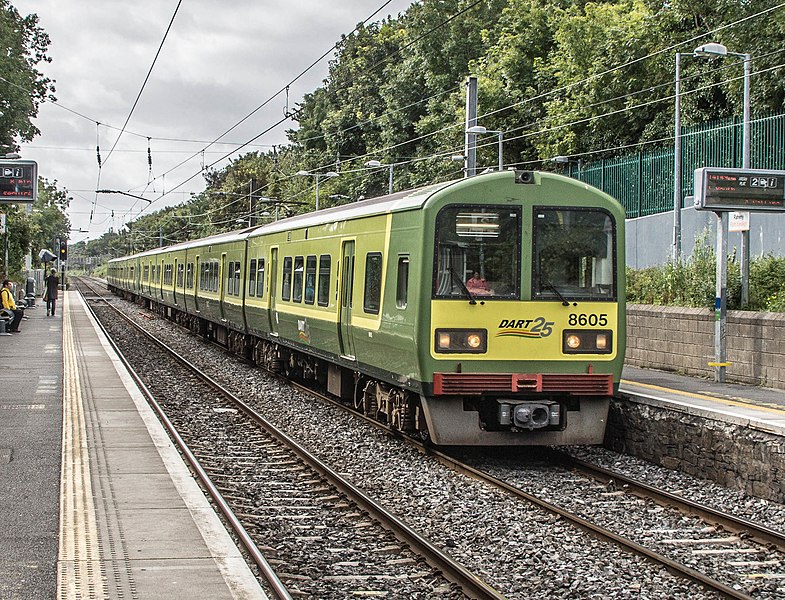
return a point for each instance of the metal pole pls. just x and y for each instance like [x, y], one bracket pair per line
[745, 163]
[677, 167]
[470, 139]
[721, 298]
[317, 191]
[390, 187]
[501, 161]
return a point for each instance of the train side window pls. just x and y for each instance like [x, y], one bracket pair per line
[402, 289]
[180, 273]
[297, 280]
[260, 278]
[286, 281]
[230, 279]
[189, 275]
[324, 280]
[373, 283]
[310, 279]
[252, 278]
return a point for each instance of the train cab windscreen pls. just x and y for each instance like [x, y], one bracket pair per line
[478, 251]
[573, 254]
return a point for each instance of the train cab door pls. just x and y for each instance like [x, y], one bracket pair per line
[272, 269]
[346, 287]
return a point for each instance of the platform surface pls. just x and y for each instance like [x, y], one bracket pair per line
[96, 500]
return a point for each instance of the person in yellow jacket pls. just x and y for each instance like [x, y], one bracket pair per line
[7, 300]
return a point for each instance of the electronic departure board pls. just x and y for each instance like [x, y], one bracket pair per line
[18, 181]
[721, 189]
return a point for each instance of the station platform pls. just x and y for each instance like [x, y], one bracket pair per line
[754, 407]
[96, 501]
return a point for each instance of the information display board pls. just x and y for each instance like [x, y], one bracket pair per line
[18, 181]
[724, 189]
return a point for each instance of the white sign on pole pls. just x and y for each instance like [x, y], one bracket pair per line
[739, 221]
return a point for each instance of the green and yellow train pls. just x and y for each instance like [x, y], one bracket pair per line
[483, 311]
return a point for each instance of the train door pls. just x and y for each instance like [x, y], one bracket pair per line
[160, 276]
[177, 280]
[223, 276]
[197, 282]
[272, 269]
[346, 283]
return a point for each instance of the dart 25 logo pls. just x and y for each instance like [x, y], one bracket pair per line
[525, 328]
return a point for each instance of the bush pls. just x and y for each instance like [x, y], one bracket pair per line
[693, 283]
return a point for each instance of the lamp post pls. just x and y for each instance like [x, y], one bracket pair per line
[711, 50]
[480, 130]
[318, 176]
[375, 164]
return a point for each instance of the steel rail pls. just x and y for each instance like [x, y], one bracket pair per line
[729, 522]
[471, 585]
[596, 530]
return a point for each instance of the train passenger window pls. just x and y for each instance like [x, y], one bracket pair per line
[180, 274]
[146, 273]
[310, 279]
[373, 283]
[481, 239]
[260, 278]
[286, 281]
[574, 255]
[297, 280]
[252, 278]
[402, 289]
[189, 276]
[324, 280]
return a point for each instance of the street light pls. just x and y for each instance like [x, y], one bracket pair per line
[375, 164]
[480, 130]
[710, 50]
[318, 176]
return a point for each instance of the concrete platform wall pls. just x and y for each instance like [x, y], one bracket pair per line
[735, 455]
[682, 340]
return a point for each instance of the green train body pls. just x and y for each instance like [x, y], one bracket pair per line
[378, 303]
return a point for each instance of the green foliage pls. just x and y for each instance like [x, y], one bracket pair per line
[693, 283]
[22, 87]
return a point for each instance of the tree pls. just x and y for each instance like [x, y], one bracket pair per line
[22, 87]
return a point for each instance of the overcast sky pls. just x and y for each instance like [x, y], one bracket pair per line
[220, 61]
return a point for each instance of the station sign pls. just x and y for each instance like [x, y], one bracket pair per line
[18, 181]
[721, 189]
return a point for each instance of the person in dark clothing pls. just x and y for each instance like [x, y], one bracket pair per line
[7, 302]
[51, 285]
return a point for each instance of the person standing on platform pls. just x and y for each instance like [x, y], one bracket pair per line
[51, 287]
[7, 301]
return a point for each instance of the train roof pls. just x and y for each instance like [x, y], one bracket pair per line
[404, 200]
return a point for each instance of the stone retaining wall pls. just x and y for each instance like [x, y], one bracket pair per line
[682, 340]
[736, 455]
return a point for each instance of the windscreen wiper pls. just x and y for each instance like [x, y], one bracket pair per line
[552, 287]
[463, 287]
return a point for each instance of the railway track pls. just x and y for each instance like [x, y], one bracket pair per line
[726, 556]
[273, 491]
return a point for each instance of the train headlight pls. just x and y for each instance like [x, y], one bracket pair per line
[587, 341]
[474, 341]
